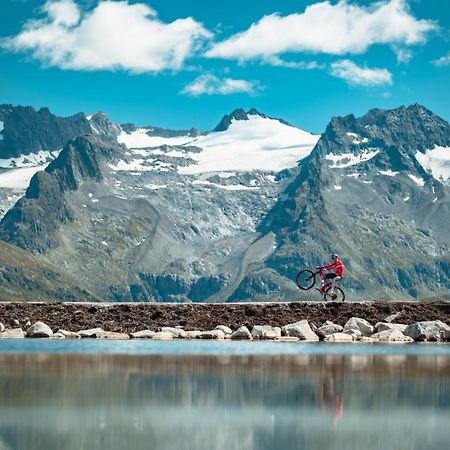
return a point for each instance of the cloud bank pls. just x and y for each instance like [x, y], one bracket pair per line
[114, 35]
[337, 29]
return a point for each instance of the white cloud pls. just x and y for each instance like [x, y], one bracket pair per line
[442, 61]
[337, 29]
[278, 62]
[209, 84]
[360, 76]
[114, 35]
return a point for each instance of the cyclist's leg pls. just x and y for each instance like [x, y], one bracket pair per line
[334, 281]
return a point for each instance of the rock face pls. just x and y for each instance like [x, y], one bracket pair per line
[367, 192]
[427, 331]
[33, 221]
[300, 329]
[39, 330]
[359, 325]
[26, 130]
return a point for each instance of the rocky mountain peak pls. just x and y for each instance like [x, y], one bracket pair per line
[25, 130]
[102, 125]
[30, 224]
[241, 114]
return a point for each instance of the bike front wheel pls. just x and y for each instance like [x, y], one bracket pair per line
[305, 279]
[338, 296]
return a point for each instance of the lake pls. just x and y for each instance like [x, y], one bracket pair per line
[92, 395]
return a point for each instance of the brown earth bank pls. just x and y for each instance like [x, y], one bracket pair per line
[133, 317]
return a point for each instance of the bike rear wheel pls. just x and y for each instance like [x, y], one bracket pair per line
[339, 295]
[305, 279]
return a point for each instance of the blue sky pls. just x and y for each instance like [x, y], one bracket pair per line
[179, 64]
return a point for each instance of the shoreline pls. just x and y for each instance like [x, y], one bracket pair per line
[132, 317]
[278, 321]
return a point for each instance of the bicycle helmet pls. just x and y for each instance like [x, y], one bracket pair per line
[334, 255]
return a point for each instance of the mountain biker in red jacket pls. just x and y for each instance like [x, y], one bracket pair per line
[336, 273]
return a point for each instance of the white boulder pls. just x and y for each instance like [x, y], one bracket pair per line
[225, 329]
[383, 326]
[39, 330]
[143, 334]
[339, 337]
[300, 329]
[364, 327]
[393, 335]
[242, 333]
[15, 333]
[431, 330]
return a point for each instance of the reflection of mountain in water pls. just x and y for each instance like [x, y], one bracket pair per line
[120, 402]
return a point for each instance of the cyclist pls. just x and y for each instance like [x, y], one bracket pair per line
[336, 273]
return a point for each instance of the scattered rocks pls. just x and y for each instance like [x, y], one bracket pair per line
[339, 337]
[242, 333]
[300, 329]
[15, 333]
[143, 334]
[433, 330]
[361, 325]
[328, 328]
[91, 333]
[265, 332]
[16, 322]
[163, 336]
[176, 332]
[225, 329]
[69, 334]
[2, 327]
[39, 330]
[57, 336]
[213, 334]
[193, 334]
[392, 335]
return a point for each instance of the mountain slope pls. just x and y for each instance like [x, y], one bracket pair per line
[24, 277]
[363, 192]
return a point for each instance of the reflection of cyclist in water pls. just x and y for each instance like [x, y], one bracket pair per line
[329, 399]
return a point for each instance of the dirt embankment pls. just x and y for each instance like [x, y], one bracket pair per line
[134, 317]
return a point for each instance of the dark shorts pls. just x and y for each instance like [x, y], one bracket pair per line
[330, 276]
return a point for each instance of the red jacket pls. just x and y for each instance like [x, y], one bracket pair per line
[337, 266]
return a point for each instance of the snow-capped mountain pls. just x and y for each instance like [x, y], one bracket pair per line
[163, 215]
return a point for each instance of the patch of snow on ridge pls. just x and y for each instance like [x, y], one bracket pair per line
[436, 162]
[255, 144]
[419, 181]
[350, 159]
[140, 139]
[2, 126]
[31, 160]
[388, 173]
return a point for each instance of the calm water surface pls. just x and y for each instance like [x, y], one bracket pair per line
[57, 395]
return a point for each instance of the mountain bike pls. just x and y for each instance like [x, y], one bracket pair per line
[306, 279]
